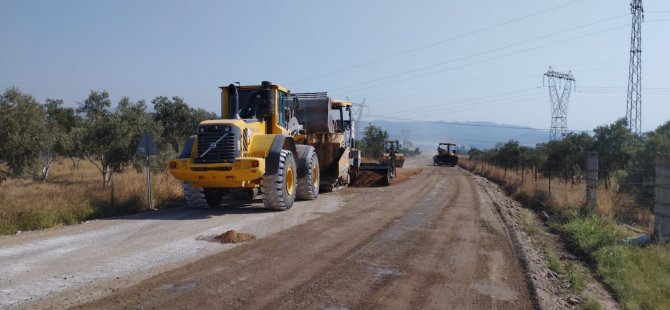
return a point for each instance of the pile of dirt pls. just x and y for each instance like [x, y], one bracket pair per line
[230, 236]
[368, 178]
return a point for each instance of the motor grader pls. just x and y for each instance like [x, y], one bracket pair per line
[257, 146]
[446, 155]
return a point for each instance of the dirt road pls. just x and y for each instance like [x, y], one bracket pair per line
[433, 241]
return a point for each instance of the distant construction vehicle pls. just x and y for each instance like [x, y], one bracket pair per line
[446, 155]
[382, 173]
[270, 142]
[393, 147]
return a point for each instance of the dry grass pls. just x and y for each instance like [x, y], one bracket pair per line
[639, 276]
[565, 197]
[71, 196]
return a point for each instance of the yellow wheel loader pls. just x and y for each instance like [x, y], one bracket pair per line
[329, 129]
[254, 148]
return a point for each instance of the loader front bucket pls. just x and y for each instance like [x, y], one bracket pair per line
[371, 175]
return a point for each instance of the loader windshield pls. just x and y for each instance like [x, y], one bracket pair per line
[249, 100]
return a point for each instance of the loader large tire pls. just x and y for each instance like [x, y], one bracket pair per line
[194, 196]
[308, 185]
[214, 196]
[278, 190]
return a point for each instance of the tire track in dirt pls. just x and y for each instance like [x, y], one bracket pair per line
[386, 256]
[276, 265]
[348, 268]
[434, 241]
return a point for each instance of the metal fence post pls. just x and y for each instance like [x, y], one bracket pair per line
[549, 184]
[662, 202]
[592, 180]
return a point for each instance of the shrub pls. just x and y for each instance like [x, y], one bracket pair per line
[639, 276]
[589, 233]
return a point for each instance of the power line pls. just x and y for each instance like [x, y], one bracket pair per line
[431, 66]
[433, 44]
[489, 59]
[446, 105]
[437, 87]
[479, 106]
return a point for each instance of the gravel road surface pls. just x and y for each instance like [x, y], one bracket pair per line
[432, 241]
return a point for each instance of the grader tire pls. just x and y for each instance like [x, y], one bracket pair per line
[308, 185]
[278, 190]
[194, 196]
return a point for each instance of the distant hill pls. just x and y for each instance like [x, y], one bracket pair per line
[481, 135]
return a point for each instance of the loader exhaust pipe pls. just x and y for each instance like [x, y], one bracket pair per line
[233, 102]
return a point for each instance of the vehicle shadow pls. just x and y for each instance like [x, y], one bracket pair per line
[184, 213]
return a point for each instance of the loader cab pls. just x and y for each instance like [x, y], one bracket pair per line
[392, 146]
[341, 110]
[268, 102]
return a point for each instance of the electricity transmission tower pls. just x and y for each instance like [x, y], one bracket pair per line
[634, 102]
[357, 113]
[560, 85]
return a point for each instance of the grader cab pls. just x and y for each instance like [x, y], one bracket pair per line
[446, 155]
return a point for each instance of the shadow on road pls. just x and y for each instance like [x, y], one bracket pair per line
[189, 213]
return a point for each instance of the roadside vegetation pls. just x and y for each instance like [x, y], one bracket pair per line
[62, 165]
[549, 179]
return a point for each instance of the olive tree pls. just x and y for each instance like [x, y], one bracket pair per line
[373, 141]
[174, 116]
[110, 137]
[61, 123]
[22, 131]
[177, 119]
[613, 144]
[639, 178]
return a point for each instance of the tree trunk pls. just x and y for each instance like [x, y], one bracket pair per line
[47, 160]
[106, 176]
[75, 162]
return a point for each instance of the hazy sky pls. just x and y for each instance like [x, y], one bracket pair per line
[435, 60]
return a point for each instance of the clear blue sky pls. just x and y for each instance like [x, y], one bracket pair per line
[415, 55]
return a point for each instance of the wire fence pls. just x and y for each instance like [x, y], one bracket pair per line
[564, 187]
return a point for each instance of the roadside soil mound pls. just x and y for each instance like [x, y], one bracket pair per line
[367, 178]
[230, 236]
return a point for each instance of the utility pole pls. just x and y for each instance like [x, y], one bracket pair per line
[634, 102]
[560, 85]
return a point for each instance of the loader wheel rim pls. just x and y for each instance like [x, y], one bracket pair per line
[315, 176]
[290, 181]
